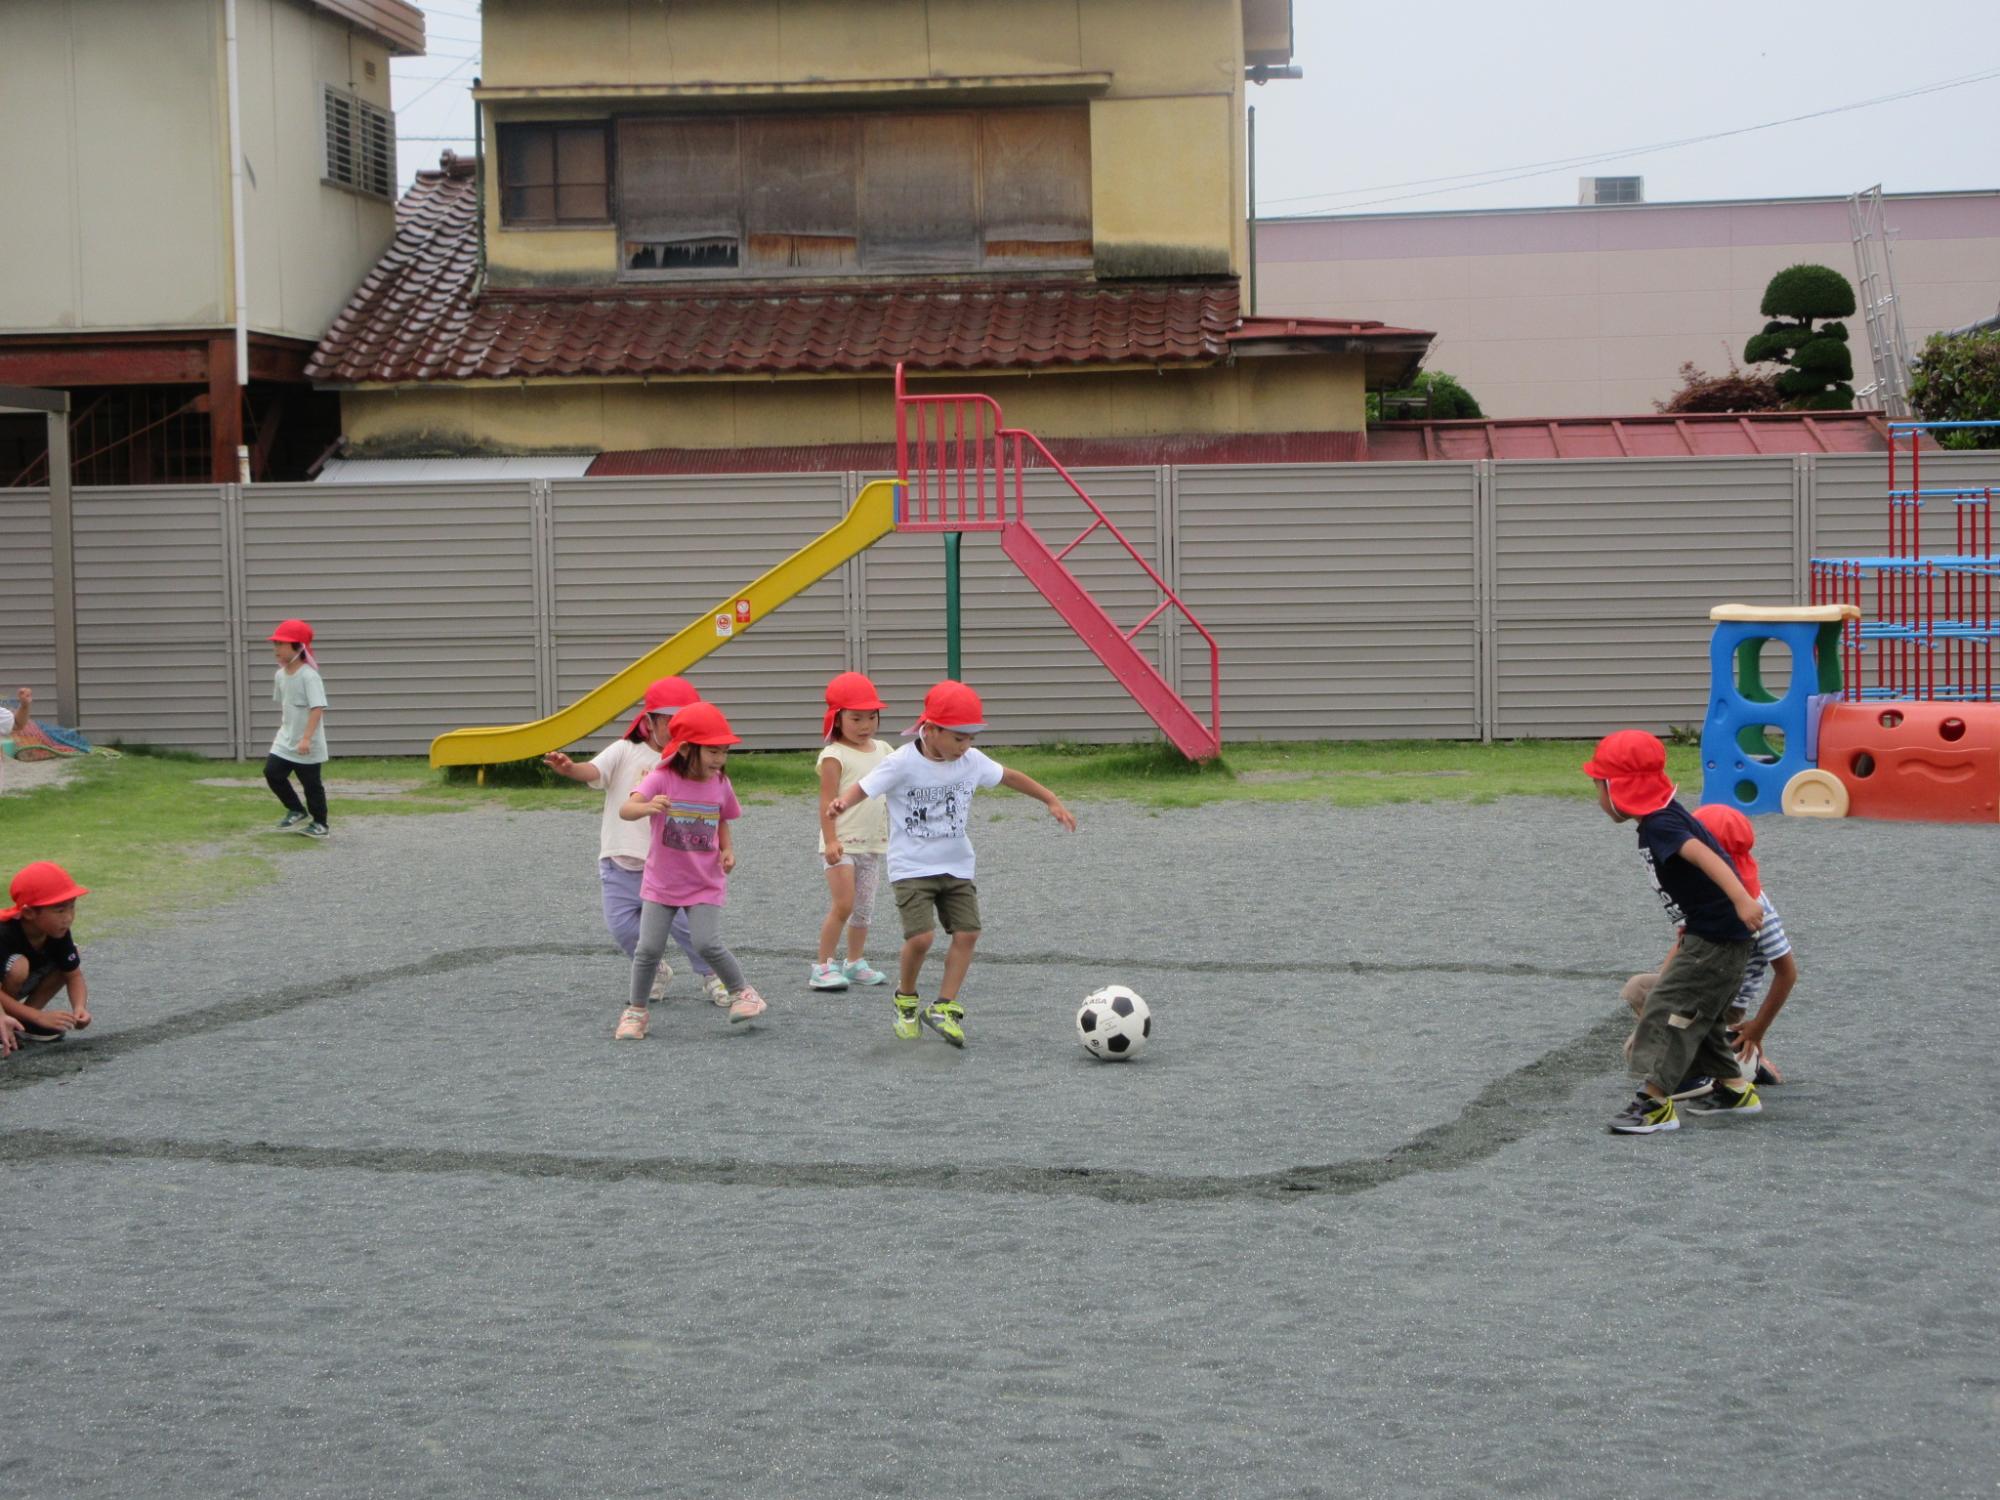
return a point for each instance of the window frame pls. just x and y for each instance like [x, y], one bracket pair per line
[372, 134]
[507, 132]
[980, 264]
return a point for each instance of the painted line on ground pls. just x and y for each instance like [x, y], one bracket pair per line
[34, 1064]
[1505, 1111]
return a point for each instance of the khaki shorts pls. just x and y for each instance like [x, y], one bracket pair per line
[955, 901]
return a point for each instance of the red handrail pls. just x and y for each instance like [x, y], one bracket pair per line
[927, 495]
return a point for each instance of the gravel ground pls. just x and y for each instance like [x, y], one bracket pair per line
[348, 1193]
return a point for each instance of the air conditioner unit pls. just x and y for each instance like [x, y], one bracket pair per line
[1610, 190]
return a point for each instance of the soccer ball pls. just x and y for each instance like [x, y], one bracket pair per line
[1114, 1023]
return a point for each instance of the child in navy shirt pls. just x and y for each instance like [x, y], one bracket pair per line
[1684, 1023]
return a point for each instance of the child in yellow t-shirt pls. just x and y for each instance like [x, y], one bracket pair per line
[853, 847]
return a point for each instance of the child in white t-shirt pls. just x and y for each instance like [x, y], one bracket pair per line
[854, 848]
[622, 846]
[928, 789]
[300, 746]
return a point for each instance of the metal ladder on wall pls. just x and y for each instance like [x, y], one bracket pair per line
[1888, 344]
[960, 469]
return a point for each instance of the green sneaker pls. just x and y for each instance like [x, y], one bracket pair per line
[943, 1018]
[907, 1007]
[1725, 1100]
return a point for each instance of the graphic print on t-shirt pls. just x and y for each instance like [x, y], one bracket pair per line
[688, 824]
[936, 812]
[1653, 874]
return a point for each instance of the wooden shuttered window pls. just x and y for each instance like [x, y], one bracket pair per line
[555, 174]
[1034, 180]
[802, 194]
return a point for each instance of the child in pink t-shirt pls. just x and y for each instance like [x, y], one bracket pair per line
[691, 804]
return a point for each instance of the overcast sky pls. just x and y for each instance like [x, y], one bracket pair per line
[1481, 90]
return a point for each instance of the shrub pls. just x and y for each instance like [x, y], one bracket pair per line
[1957, 379]
[1444, 398]
[1808, 292]
[1817, 364]
[1736, 391]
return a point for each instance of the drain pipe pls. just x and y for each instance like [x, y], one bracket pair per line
[240, 251]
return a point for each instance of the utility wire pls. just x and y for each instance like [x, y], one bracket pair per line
[1493, 176]
[441, 78]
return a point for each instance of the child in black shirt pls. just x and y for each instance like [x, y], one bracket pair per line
[1684, 1022]
[37, 956]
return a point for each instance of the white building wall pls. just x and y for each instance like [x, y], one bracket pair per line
[310, 244]
[116, 173]
[117, 202]
[1591, 311]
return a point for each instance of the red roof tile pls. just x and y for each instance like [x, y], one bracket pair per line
[1071, 453]
[1646, 436]
[418, 317]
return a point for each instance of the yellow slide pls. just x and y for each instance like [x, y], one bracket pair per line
[868, 520]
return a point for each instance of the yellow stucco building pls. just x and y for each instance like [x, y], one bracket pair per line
[720, 224]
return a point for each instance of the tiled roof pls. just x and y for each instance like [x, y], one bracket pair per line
[417, 317]
[1646, 436]
[1071, 453]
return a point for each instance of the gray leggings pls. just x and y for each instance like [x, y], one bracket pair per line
[704, 935]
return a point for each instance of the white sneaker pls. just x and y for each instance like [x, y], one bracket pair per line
[717, 991]
[660, 982]
[827, 977]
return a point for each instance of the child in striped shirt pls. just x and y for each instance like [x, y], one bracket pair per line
[1748, 1020]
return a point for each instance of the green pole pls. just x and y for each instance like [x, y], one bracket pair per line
[951, 541]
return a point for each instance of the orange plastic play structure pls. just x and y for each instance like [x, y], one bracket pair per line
[1915, 760]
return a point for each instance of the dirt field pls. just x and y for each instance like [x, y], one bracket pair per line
[349, 1193]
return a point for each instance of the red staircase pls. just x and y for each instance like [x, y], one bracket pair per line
[961, 469]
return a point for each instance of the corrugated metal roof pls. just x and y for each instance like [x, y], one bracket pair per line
[454, 470]
[1646, 436]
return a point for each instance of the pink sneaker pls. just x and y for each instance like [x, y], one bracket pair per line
[747, 1006]
[632, 1025]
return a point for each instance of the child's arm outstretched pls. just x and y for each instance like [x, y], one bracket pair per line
[829, 791]
[847, 801]
[569, 770]
[636, 807]
[1750, 1035]
[1027, 786]
[1749, 910]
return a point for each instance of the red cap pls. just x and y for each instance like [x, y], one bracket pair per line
[952, 705]
[295, 633]
[1634, 763]
[698, 724]
[43, 883]
[850, 690]
[662, 693]
[1736, 835]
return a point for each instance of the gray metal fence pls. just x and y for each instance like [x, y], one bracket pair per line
[1418, 600]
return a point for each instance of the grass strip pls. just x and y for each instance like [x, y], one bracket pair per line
[156, 834]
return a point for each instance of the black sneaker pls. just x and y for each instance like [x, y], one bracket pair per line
[1645, 1115]
[1725, 1100]
[289, 823]
[316, 830]
[30, 1032]
[1693, 1087]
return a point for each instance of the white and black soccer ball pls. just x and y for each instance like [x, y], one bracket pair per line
[1114, 1023]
